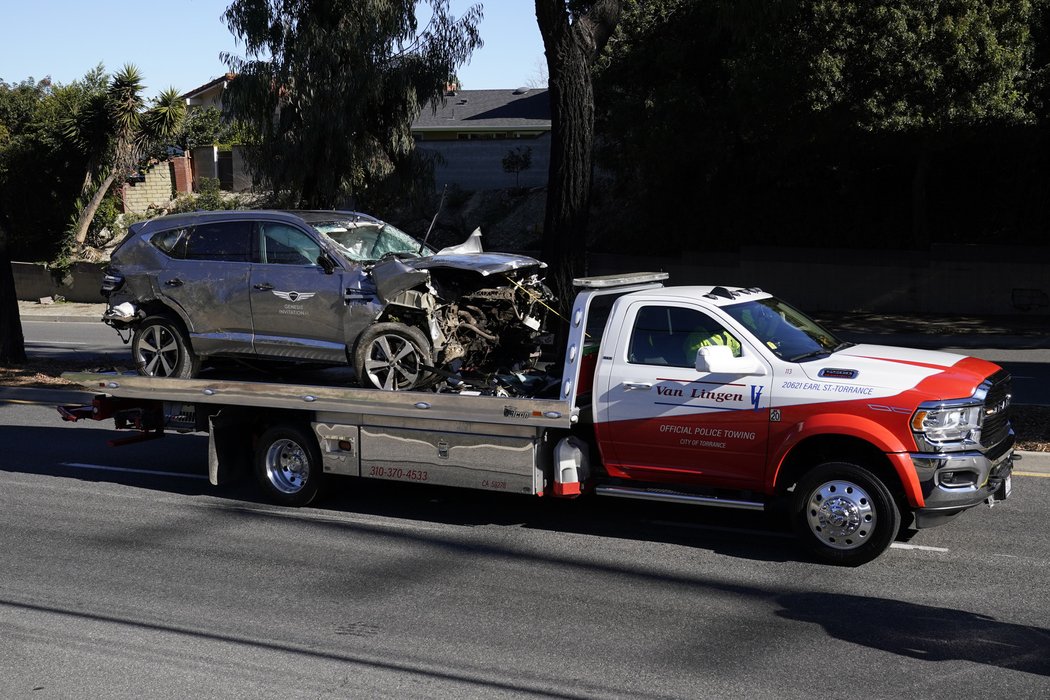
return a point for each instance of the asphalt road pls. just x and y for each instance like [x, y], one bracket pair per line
[125, 575]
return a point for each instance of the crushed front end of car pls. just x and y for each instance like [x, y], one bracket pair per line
[484, 314]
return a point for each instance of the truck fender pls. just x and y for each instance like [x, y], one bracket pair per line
[869, 431]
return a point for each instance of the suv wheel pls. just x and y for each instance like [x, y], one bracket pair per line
[393, 357]
[160, 349]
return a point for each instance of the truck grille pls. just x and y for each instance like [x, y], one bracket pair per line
[996, 426]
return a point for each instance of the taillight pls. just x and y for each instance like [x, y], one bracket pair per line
[112, 280]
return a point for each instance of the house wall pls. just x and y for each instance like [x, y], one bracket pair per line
[478, 164]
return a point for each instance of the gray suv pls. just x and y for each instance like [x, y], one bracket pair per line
[321, 286]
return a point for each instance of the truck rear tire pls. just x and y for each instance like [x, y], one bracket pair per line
[288, 465]
[844, 514]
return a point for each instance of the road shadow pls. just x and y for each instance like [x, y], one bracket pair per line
[922, 631]
[177, 464]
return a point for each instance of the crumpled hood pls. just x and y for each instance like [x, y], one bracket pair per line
[891, 370]
[484, 264]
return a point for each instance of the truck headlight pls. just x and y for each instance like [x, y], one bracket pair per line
[945, 423]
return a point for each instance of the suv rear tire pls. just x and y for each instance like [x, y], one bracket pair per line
[159, 348]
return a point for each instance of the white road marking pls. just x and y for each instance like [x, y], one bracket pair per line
[902, 545]
[101, 467]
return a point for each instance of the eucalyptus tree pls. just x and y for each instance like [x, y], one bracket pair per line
[328, 89]
[574, 34]
[115, 127]
[922, 68]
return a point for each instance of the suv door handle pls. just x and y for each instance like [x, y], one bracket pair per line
[263, 287]
[175, 282]
[631, 386]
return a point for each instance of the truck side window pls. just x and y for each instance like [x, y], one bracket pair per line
[670, 336]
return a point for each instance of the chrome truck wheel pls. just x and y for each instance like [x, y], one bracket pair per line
[844, 514]
[288, 465]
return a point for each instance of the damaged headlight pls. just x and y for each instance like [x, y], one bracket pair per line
[940, 425]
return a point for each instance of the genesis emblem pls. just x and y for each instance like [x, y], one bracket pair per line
[294, 296]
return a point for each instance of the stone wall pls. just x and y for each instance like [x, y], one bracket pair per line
[157, 189]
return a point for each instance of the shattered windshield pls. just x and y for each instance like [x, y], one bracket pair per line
[366, 241]
[790, 334]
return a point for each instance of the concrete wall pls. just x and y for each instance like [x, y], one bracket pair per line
[985, 280]
[80, 284]
[206, 164]
[478, 165]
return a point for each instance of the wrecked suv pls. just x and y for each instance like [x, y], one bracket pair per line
[321, 286]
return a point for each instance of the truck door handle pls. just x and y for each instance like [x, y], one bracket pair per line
[266, 287]
[631, 386]
[175, 282]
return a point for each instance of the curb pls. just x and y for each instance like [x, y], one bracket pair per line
[1038, 462]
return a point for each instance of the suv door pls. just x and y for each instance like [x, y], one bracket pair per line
[207, 280]
[659, 419]
[297, 309]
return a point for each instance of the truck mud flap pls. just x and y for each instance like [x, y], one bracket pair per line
[229, 446]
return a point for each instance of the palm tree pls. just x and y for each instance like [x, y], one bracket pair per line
[115, 128]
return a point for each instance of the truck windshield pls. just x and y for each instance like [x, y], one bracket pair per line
[787, 332]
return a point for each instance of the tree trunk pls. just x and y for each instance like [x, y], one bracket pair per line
[569, 186]
[12, 342]
[88, 214]
[571, 43]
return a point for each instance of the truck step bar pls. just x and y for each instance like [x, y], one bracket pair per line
[677, 497]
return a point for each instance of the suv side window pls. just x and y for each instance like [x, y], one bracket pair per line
[670, 336]
[281, 244]
[222, 241]
[172, 243]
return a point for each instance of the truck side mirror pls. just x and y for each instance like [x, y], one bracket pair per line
[718, 359]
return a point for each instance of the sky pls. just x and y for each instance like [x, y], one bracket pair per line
[176, 43]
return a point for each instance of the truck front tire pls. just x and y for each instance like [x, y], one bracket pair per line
[844, 514]
[288, 465]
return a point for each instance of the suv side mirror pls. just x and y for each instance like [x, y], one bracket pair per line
[326, 263]
[718, 359]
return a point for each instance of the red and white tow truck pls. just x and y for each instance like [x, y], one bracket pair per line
[716, 396]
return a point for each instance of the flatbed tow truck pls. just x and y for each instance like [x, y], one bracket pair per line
[713, 396]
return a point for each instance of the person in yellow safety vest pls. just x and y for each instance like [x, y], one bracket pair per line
[703, 337]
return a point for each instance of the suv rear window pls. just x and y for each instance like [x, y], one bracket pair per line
[227, 241]
[172, 243]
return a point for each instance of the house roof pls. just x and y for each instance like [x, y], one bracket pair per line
[465, 110]
[208, 86]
